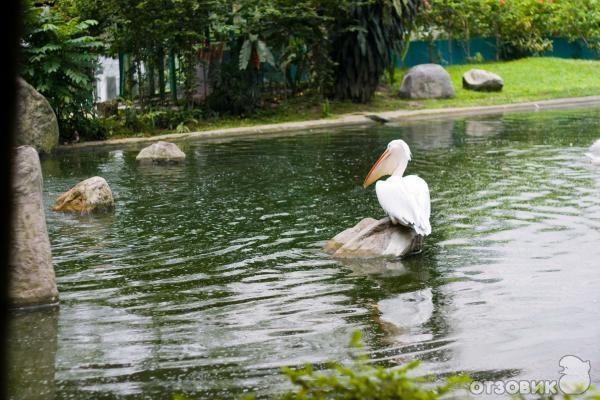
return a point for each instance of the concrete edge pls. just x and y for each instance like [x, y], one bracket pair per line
[347, 120]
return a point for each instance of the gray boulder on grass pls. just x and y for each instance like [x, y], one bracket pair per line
[482, 80]
[427, 81]
[32, 279]
[372, 238]
[37, 125]
[90, 196]
[161, 153]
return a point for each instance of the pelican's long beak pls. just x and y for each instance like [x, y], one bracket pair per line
[379, 169]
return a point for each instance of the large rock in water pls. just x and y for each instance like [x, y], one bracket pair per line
[37, 125]
[90, 196]
[427, 81]
[482, 80]
[32, 279]
[161, 153]
[372, 238]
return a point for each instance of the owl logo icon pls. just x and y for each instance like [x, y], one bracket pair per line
[575, 375]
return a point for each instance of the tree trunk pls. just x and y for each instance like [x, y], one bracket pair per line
[497, 43]
[151, 86]
[172, 76]
[160, 61]
[468, 42]
[140, 84]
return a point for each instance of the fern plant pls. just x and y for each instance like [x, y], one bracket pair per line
[59, 60]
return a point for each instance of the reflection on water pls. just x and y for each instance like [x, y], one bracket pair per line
[210, 277]
[31, 355]
[406, 311]
[430, 134]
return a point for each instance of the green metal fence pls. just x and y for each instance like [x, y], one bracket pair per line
[439, 52]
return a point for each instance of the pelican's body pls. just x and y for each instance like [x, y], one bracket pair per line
[405, 199]
[594, 153]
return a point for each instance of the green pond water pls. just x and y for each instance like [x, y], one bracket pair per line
[210, 276]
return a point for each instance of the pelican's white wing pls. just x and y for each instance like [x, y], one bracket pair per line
[594, 153]
[406, 201]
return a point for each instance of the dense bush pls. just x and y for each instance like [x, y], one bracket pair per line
[519, 27]
[261, 52]
[332, 47]
[580, 21]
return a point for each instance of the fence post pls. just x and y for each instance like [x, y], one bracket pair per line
[172, 77]
[121, 74]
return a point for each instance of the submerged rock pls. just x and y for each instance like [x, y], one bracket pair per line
[90, 196]
[482, 80]
[37, 125]
[373, 238]
[161, 153]
[427, 81]
[32, 280]
[594, 152]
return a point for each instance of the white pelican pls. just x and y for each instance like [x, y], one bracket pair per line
[404, 199]
[594, 153]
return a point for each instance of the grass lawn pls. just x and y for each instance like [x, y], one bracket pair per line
[527, 79]
[524, 80]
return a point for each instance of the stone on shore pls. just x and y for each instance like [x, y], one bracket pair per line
[372, 238]
[161, 153]
[91, 196]
[32, 280]
[427, 81]
[482, 80]
[37, 125]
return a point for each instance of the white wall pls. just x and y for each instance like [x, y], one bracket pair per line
[107, 81]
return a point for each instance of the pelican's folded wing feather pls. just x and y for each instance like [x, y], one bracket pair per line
[406, 201]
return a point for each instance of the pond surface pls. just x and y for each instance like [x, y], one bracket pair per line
[210, 277]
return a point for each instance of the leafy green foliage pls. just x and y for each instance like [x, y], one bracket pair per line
[326, 46]
[524, 27]
[520, 27]
[272, 52]
[365, 40]
[362, 380]
[579, 21]
[235, 91]
[59, 60]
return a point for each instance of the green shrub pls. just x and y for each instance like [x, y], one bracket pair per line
[362, 380]
[520, 27]
[580, 23]
[234, 91]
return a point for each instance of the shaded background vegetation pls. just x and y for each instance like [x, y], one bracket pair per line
[259, 54]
